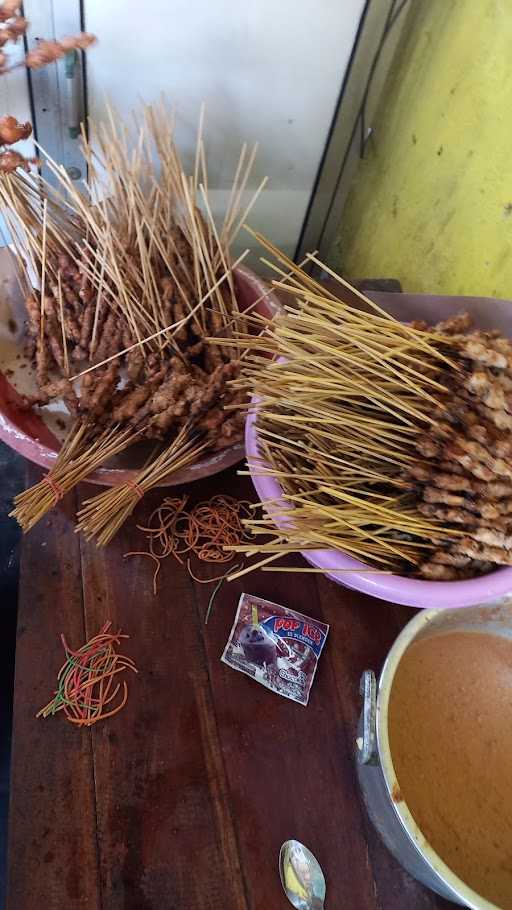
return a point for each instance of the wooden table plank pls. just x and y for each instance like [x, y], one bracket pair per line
[166, 834]
[203, 775]
[53, 860]
[291, 769]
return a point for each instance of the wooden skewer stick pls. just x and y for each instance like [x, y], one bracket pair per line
[243, 152]
[99, 298]
[198, 147]
[173, 326]
[63, 325]
[233, 214]
[236, 230]
[43, 272]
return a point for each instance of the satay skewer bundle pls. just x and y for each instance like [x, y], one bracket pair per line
[390, 441]
[134, 276]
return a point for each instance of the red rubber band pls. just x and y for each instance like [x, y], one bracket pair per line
[55, 487]
[138, 490]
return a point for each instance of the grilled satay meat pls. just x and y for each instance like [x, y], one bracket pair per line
[496, 555]
[454, 325]
[463, 477]
[59, 388]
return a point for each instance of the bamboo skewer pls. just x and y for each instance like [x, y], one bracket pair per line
[62, 325]
[103, 515]
[43, 269]
[175, 326]
[75, 461]
[342, 395]
[105, 261]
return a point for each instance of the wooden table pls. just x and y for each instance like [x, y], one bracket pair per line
[182, 801]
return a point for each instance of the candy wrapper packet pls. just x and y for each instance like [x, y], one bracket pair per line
[278, 647]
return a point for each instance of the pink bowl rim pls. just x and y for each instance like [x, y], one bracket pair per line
[41, 454]
[410, 592]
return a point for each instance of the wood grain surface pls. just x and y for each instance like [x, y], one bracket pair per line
[182, 801]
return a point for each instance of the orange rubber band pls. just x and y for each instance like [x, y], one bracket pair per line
[55, 487]
[137, 489]
[206, 531]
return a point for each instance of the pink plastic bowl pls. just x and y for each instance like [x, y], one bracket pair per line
[488, 313]
[26, 432]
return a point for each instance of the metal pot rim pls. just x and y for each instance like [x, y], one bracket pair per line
[466, 894]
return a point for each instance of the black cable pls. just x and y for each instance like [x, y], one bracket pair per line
[391, 18]
[325, 152]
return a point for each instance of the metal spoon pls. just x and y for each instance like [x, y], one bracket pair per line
[301, 876]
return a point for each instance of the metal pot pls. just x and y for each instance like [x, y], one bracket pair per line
[377, 779]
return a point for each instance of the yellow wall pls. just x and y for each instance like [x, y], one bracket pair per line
[432, 202]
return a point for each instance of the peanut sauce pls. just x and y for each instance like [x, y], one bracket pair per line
[450, 733]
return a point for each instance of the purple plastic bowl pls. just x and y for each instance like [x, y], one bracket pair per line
[487, 313]
[410, 592]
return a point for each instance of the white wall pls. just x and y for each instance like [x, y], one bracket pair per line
[270, 71]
